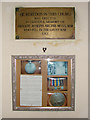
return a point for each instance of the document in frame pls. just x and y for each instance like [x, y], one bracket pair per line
[30, 90]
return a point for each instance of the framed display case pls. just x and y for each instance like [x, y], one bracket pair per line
[43, 82]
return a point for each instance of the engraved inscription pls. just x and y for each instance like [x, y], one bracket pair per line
[36, 23]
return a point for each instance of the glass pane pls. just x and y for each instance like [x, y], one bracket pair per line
[57, 68]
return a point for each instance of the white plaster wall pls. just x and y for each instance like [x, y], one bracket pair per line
[0, 60]
[78, 47]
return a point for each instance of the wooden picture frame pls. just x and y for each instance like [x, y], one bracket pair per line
[18, 65]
